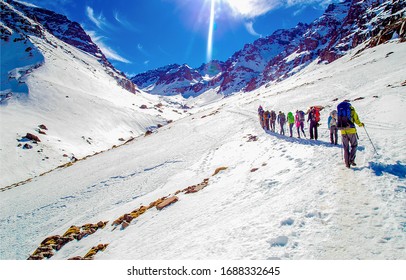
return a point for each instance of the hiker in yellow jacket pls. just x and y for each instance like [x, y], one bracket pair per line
[347, 117]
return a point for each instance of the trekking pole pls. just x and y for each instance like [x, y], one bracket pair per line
[370, 140]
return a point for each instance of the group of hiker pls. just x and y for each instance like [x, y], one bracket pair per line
[343, 119]
[269, 118]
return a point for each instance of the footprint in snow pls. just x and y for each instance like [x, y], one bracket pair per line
[284, 171]
[287, 222]
[269, 183]
[279, 241]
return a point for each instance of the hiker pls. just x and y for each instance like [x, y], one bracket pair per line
[314, 118]
[266, 119]
[332, 126]
[281, 122]
[291, 121]
[272, 120]
[346, 120]
[300, 119]
[261, 115]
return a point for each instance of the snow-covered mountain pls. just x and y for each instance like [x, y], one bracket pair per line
[341, 28]
[233, 191]
[273, 197]
[64, 92]
[29, 20]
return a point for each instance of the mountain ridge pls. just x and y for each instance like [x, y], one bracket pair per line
[267, 60]
[31, 20]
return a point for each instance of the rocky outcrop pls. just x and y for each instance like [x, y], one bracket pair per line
[342, 27]
[34, 21]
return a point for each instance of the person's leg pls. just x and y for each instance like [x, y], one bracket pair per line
[335, 135]
[302, 127]
[354, 144]
[346, 147]
[315, 131]
[311, 130]
[332, 135]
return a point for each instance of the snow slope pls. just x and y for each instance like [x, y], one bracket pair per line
[71, 93]
[279, 198]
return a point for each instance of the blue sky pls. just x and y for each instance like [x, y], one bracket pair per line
[140, 35]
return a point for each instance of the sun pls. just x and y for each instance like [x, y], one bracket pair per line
[209, 51]
[237, 6]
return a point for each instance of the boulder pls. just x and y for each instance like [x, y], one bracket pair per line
[167, 202]
[32, 137]
[27, 146]
[42, 126]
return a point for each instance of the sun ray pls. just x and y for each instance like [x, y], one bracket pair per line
[210, 34]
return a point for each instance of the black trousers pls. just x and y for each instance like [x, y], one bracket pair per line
[313, 130]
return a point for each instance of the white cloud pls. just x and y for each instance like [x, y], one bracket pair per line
[99, 20]
[124, 22]
[252, 8]
[250, 28]
[108, 51]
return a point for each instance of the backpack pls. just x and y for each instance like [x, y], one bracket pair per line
[273, 115]
[344, 119]
[316, 114]
[282, 118]
[301, 116]
[333, 118]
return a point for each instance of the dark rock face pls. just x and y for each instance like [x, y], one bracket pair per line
[34, 21]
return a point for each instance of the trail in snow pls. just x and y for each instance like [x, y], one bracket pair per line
[279, 198]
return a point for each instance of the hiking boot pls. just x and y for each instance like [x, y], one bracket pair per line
[353, 163]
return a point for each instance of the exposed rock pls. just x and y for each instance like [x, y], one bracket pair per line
[342, 27]
[196, 188]
[219, 169]
[167, 202]
[61, 27]
[95, 250]
[32, 137]
[27, 146]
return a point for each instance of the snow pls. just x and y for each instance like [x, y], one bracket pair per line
[85, 112]
[279, 197]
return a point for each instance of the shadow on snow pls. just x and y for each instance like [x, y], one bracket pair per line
[306, 141]
[398, 169]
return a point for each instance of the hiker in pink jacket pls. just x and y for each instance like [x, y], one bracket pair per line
[299, 121]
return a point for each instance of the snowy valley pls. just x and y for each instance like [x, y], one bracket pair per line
[241, 192]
